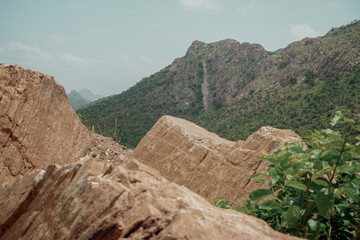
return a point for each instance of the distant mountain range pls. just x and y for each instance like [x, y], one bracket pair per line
[234, 88]
[82, 98]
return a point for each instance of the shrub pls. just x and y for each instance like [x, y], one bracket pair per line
[314, 191]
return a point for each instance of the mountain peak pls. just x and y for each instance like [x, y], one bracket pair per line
[86, 93]
[194, 45]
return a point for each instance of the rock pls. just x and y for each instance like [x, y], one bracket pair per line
[104, 193]
[99, 199]
[37, 125]
[205, 163]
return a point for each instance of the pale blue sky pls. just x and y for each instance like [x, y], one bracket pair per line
[109, 45]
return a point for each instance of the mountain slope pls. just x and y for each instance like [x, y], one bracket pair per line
[241, 82]
[77, 100]
[86, 93]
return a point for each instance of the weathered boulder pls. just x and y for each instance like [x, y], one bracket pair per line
[37, 124]
[102, 198]
[104, 193]
[205, 163]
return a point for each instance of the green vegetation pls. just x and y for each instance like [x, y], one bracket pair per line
[136, 110]
[296, 88]
[221, 203]
[299, 107]
[315, 191]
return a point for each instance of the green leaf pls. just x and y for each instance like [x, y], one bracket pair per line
[261, 181]
[269, 158]
[322, 172]
[260, 194]
[247, 203]
[240, 209]
[313, 225]
[276, 226]
[275, 179]
[352, 190]
[348, 120]
[321, 181]
[294, 149]
[257, 175]
[345, 169]
[357, 128]
[269, 205]
[222, 203]
[309, 211]
[338, 116]
[325, 202]
[295, 184]
[329, 156]
[293, 216]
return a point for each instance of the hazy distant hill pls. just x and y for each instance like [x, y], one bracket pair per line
[82, 98]
[76, 100]
[86, 93]
[234, 88]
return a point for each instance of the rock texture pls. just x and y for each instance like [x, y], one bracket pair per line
[104, 193]
[37, 125]
[205, 163]
[102, 199]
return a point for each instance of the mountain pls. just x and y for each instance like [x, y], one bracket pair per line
[86, 93]
[77, 100]
[234, 88]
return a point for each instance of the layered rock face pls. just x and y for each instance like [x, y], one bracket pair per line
[99, 199]
[37, 125]
[104, 193]
[205, 163]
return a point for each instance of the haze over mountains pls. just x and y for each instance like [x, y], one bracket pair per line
[82, 98]
[234, 88]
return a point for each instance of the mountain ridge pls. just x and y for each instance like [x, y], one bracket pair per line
[236, 72]
[79, 99]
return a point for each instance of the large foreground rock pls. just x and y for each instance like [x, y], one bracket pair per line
[37, 124]
[205, 163]
[99, 198]
[104, 193]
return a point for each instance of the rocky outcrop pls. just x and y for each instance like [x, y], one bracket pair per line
[104, 193]
[37, 125]
[98, 198]
[205, 163]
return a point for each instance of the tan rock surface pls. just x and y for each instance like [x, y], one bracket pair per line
[101, 199]
[105, 193]
[37, 124]
[205, 163]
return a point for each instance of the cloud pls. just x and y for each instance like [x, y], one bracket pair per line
[32, 49]
[244, 10]
[72, 59]
[2, 49]
[200, 4]
[302, 30]
[58, 38]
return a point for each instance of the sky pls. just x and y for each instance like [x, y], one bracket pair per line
[107, 46]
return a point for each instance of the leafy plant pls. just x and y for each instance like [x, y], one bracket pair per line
[314, 191]
[221, 203]
[83, 119]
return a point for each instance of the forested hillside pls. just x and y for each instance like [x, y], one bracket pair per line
[234, 88]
